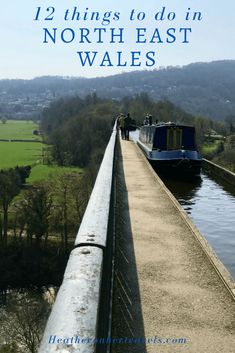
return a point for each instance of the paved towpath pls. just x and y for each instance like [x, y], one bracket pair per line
[165, 285]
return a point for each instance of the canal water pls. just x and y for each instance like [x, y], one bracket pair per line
[210, 203]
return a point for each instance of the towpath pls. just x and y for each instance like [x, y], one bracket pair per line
[165, 284]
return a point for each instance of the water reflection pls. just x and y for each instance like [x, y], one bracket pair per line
[184, 189]
[211, 206]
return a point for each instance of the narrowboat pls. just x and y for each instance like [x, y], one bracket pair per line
[171, 147]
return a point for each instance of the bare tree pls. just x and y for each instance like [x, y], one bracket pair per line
[70, 194]
[23, 323]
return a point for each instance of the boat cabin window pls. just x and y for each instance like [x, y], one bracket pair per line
[169, 138]
[174, 138]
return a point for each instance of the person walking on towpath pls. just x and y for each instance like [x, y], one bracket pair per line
[127, 123]
[122, 124]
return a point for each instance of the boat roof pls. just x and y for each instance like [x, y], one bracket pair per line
[171, 124]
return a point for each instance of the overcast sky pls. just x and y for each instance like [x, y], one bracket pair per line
[24, 55]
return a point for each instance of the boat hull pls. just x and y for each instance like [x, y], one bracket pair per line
[177, 167]
[180, 162]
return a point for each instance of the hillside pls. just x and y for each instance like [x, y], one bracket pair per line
[206, 89]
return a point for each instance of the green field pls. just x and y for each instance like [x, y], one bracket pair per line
[210, 147]
[14, 154]
[19, 153]
[19, 130]
[40, 172]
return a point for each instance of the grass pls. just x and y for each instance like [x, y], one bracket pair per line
[18, 130]
[25, 153]
[41, 172]
[210, 147]
[19, 153]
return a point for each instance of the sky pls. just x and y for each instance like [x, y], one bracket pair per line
[25, 55]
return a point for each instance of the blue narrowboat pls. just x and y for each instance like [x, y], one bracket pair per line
[171, 147]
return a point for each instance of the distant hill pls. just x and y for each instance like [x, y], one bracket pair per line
[206, 89]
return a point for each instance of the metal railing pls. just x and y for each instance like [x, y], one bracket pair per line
[73, 322]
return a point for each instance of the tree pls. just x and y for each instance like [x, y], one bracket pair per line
[11, 181]
[36, 209]
[202, 125]
[230, 121]
[230, 143]
[9, 348]
[60, 188]
[23, 322]
[78, 127]
[70, 194]
[9, 187]
[81, 188]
